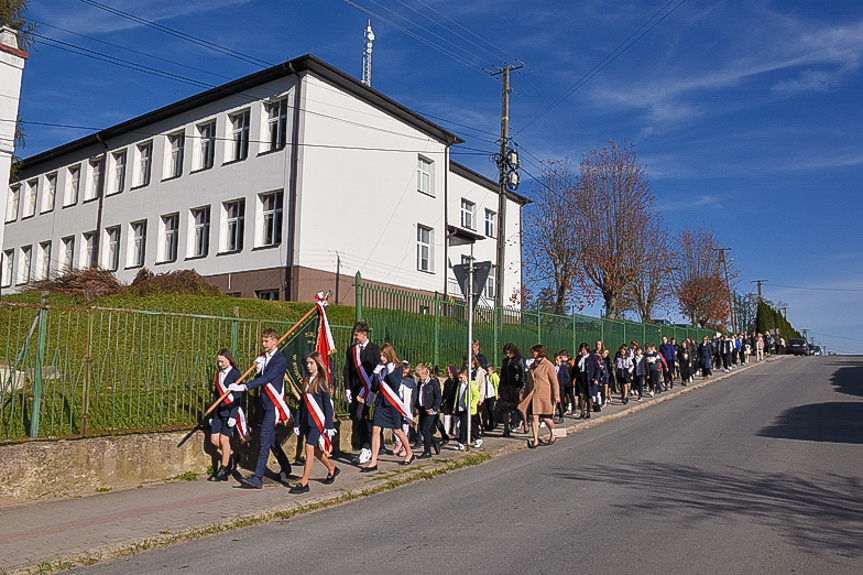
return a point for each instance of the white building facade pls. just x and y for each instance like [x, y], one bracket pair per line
[275, 186]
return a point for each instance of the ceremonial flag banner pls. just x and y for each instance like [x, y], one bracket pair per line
[297, 347]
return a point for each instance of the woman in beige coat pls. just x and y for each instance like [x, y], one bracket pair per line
[541, 394]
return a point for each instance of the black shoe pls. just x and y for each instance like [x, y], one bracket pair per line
[587, 414]
[285, 475]
[221, 475]
[424, 456]
[252, 482]
[298, 488]
[598, 409]
[215, 475]
[436, 448]
[409, 461]
[331, 477]
[368, 469]
[531, 444]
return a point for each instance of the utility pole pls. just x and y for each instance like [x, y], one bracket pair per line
[759, 282]
[727, 285]
[507, 179]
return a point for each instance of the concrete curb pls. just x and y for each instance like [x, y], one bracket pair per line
[263, 510]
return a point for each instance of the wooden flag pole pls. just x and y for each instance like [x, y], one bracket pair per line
[248, 371]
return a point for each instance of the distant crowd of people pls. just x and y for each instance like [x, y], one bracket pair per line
[526, 395]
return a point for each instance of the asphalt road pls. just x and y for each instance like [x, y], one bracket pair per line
[757, 474]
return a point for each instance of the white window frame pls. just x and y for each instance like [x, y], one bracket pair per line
[43, 261]
[94, 170]
[143, 164]
[198, 237]
[240, 126]
[489, 284]
[468, 214]
[233, 227]
[490, 223]
[169, 237]
[118, 172]
[12, 202]
[175, 152]
[271, 219]
[205, 153]
[267, 294]
[88, 245]
[73, 185]
[31, 195]
[111, 253]
[425, 176]
[8, 271]
[425, 248]
[136, 244]
[67, 256]
[49, 194]
[277, 124]
[25, 263]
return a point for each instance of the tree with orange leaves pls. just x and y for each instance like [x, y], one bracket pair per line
[699, 279]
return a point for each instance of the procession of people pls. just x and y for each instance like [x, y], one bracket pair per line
[422, 408]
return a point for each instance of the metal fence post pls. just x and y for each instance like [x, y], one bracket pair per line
[574, 336]
[88, 365]
[436, 329]
[37, 371]
[539, 327]
[358, 306]
[496, 329]
[235, 331]
[602, 330]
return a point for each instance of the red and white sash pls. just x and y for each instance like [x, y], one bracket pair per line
[242, 425]
[395, 400]
[283, 412]
[366, 391]
[229, 400]
[317, 415]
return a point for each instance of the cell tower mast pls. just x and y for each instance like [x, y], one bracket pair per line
[368, 38]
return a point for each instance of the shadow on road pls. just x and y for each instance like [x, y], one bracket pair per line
[849, 379]
[835, 422]
[817, 512]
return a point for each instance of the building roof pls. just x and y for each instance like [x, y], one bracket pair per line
[487, 183]
[307, 63]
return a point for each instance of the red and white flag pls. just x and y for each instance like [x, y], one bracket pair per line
[326, 345]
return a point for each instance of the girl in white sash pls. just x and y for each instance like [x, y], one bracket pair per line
[315, 420]
[389, 407]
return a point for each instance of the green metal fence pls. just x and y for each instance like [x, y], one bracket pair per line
[433, 328]
[68, 372]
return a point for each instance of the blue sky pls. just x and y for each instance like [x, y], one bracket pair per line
[747, 114]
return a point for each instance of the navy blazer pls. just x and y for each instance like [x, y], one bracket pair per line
[224, 410]
[431, 394]
[324, 402]
[369, 358]
[273, 373]
[393, 379]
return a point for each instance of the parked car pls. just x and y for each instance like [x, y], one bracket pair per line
[797, 346]
[816, 350]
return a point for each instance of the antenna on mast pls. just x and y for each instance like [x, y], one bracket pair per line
[368, 38]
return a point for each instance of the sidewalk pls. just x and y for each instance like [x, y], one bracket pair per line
[54, 535]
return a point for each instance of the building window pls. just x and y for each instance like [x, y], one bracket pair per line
[43, 261]
[425, 181]
[424, 248]
[239, 136]
[24, 265]
[112, 248]
[490, 218]
[12, 203]
[267, 294]
[199, 232]
[91, 189]
[170, 225]
[206, 145]
[67, 256]
[489, 284]
[8, 263]
[144, 164]
[118, 175]
[235, 215]
[137, 244]
[73, 183]
[31, 192]
[49, 194]
[277, 124]
[176, 145]
[88, 248]
[271, 219]
[467, 211]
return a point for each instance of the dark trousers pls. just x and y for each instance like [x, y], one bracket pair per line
[726, 360]
[668, 374]
[639, 385]
[486, 412]
[427, 429]
[268, 444]
[474, 426]
[654, 380]
[361, 434]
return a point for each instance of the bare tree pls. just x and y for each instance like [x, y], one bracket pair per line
[651, 287]
[618, 211]
[554, 237]
[699, 278]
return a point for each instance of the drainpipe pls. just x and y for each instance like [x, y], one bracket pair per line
[94, 260]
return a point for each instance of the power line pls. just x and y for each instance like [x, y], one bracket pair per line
[819, 289]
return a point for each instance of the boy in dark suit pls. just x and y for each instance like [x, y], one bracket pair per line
[363, 355]
[271, 376]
